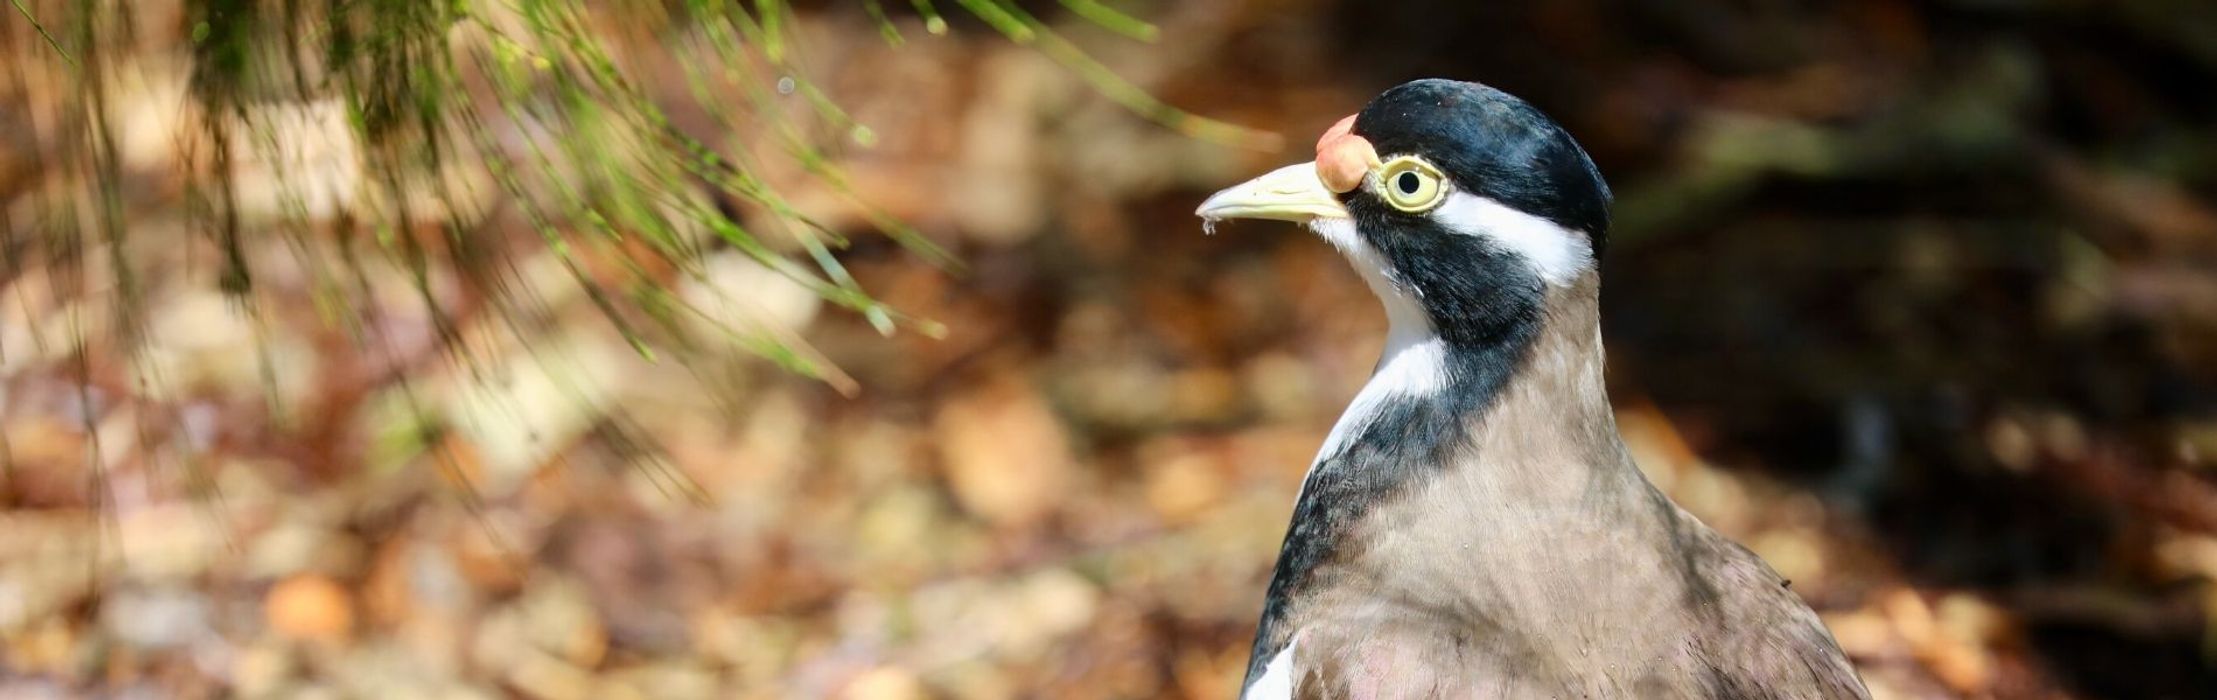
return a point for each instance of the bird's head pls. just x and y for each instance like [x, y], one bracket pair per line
[1461, 205]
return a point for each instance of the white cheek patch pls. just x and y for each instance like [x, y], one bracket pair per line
[1405, 318]
[1340, 232]
[1414, 360]
[1414, 369]
[1558, 254]
[1276, 682]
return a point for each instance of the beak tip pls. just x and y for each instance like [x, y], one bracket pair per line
[1215, 208]
[1292, 193]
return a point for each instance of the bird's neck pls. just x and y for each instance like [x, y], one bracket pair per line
[1555, 392]
[1538, 372]
[1546, 436]
[1451, 438]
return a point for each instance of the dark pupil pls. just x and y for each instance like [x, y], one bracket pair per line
[1407, 182]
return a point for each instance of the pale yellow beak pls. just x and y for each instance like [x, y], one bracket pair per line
[1292, 193]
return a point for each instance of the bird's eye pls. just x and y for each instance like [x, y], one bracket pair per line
[1410, 184]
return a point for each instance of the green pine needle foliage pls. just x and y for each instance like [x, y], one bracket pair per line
[468, 117]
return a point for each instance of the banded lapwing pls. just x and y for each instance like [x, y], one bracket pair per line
[1474, 525]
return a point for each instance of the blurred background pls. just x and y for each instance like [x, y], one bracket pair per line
[828, 349]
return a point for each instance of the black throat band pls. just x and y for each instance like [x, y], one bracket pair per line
[1486, 307]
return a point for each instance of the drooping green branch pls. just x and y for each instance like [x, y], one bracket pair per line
[490, 168]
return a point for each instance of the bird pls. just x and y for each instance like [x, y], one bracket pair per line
[1473, 525]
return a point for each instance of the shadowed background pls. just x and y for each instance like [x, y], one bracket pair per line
[1917, 300]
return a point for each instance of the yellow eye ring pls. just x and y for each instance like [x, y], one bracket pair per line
[1411, 185]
